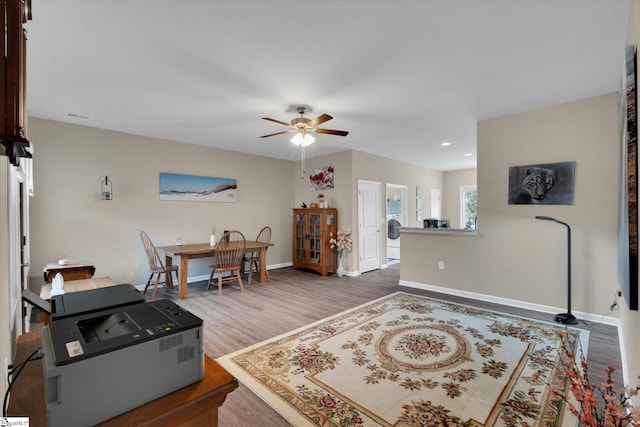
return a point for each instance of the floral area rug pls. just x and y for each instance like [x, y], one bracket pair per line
[408, 360]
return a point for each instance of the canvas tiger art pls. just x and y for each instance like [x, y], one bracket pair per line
[541, 184]
[538, 182]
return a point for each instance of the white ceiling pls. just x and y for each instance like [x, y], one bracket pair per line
[401, 76]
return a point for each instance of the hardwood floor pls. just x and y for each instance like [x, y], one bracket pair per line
[294, 298]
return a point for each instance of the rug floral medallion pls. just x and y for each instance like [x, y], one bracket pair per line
[408, 360]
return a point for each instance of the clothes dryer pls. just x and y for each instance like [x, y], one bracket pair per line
[394, 222]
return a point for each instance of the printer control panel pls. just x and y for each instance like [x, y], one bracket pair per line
[163, 328]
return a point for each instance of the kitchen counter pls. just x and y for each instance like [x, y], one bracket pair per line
[445, 231]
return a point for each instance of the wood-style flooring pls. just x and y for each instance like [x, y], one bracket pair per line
[294, 298]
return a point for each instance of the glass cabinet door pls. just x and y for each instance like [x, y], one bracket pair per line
[300, 249]
[315, 238]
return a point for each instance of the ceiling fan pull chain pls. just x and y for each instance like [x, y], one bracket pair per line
[303, 168]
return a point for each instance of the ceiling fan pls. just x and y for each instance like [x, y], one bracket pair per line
[303, 126]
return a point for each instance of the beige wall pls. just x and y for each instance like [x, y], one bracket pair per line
[349, 167]
[386, 171]
[452, 181]
[338, 197]
[630, 320]
[515, 256]
[69, 219]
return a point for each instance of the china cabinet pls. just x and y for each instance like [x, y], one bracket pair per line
[312, 229]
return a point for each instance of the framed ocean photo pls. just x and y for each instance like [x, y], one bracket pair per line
[194, 188]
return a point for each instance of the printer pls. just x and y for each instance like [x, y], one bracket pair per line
[101, 363]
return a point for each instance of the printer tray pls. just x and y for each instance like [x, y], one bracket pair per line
[92, 300]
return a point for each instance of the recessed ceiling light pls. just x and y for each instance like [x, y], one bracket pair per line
[468, 154]
[445, 144]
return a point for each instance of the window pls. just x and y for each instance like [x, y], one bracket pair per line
[468, 206]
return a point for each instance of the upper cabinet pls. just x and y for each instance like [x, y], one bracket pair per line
[13, 80]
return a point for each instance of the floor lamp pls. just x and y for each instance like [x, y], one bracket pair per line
[566, 318]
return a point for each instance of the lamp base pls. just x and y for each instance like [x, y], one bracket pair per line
[566, 318]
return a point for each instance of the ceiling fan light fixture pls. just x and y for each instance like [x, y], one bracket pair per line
[302, 139]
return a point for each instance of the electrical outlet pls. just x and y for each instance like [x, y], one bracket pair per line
[441, 265]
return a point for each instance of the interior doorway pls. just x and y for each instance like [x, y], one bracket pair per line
[396, 218]
[369, 247]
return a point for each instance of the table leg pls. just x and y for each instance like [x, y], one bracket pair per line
[168, 260]
[184, 269]
[263, 265]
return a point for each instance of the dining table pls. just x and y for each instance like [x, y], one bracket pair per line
[204, 250]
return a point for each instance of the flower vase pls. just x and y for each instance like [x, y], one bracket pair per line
[212, 240]
[340, 270]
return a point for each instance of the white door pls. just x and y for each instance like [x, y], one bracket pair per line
[368, 225]
[436, 203]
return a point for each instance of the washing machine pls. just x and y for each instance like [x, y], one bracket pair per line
[394, 222]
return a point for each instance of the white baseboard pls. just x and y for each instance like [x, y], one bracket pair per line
[281, 265]
[607, 320]
[351, 273]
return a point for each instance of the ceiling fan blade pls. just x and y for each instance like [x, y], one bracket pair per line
[332, 132]
[319, 120]
[277, 121]
[277, 133]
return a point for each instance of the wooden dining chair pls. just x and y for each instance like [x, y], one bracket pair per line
[156, 266]
[253, 258]
[228, 257]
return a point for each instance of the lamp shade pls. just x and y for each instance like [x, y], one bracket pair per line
[302, 140]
